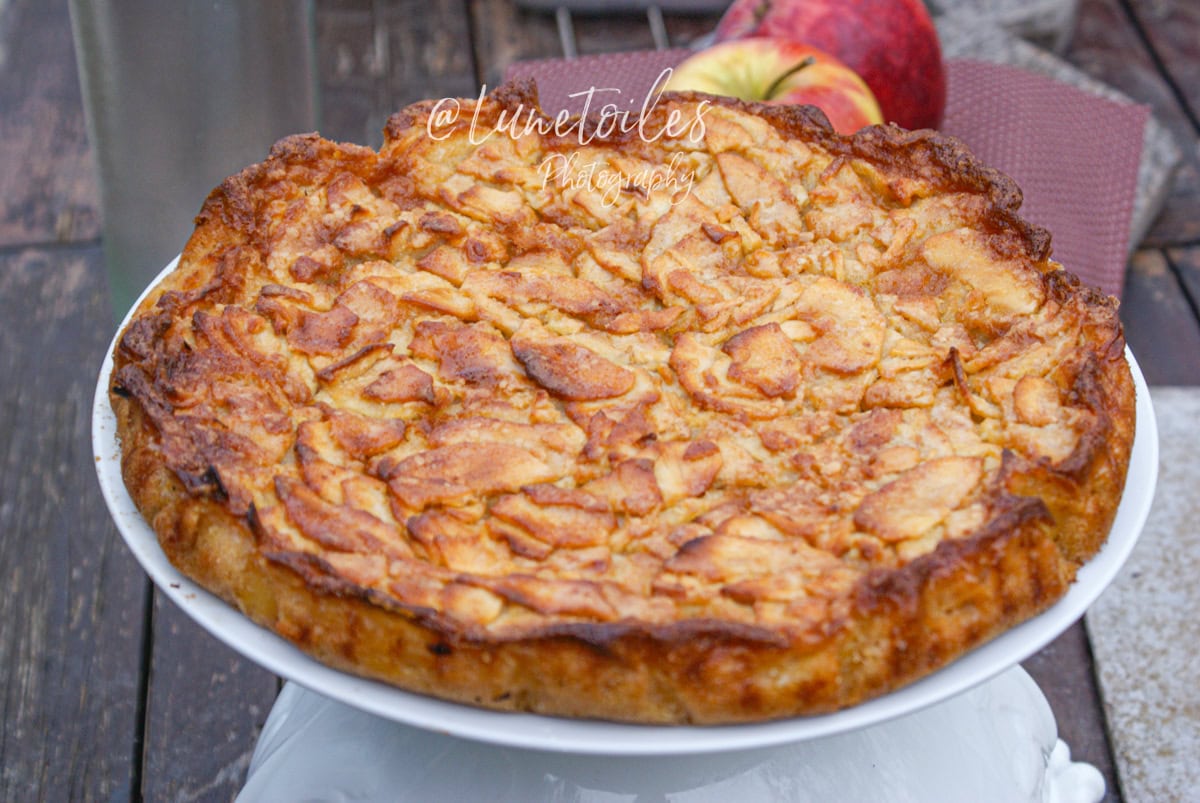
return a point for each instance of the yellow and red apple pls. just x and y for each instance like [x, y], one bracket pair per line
[891, 44]
[780, 71]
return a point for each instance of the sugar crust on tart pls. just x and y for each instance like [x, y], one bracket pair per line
[778, 421]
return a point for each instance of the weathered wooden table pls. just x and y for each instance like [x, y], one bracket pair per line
[108, 692]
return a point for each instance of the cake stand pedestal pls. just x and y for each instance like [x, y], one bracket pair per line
[995, 742]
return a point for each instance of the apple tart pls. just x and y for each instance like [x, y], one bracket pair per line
[717, 417]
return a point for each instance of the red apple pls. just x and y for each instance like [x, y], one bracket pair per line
[892, 44]
[779, 71]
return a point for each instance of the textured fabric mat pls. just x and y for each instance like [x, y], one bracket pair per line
[1074, 154]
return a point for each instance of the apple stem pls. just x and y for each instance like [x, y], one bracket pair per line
[808, 61]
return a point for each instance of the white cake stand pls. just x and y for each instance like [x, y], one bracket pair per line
[996, 742]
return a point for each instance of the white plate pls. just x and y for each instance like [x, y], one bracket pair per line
[592, 737]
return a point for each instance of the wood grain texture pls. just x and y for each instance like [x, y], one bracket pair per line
[1185, 262]
[1108, 47]
[347, 56]
[630, 30]
[47, 187]
[428, 50]
[73, 595]
[376, 57]
[205, 708]
[350, 116]
[1063, 671]
[503, 33]
[1173, 30]
[1160, 326]
[686, 29]
[352, 75]
[610, 33]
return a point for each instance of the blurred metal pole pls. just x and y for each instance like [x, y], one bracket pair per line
[178, 95]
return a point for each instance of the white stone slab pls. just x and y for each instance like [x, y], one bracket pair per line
[1145, 629]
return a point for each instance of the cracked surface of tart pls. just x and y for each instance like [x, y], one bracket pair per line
[728, 421]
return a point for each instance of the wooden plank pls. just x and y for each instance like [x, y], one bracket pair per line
[347, 56]
[352, 115]
[1173, 29]
[610, 33]
[1064, 672]
[1107, 47]
[685, 29]
[205, 708]
[502, 33]
[1186, 264]
[1160, 327]
[206, 704]
[352, 74]
[326, 6]
[630, 30]
[374, 58]
[47, 188]
[73, 601]
[428, 50]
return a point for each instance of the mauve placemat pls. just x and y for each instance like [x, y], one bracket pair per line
[1074, 154]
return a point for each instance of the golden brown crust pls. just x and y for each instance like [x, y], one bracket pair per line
[771, 442]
